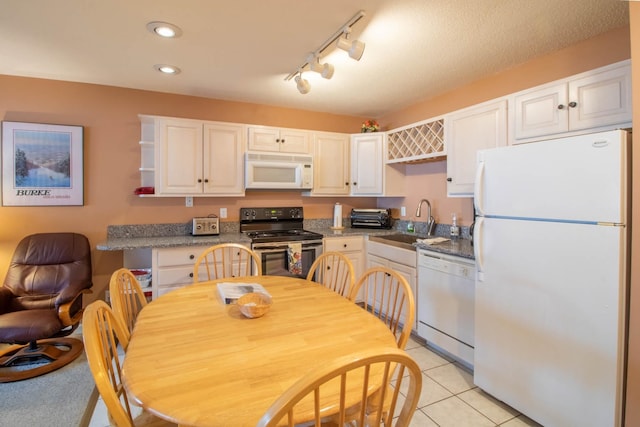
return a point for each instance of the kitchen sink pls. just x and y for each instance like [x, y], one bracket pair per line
[400, 240]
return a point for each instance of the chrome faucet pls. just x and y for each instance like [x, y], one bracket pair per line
[430, 221]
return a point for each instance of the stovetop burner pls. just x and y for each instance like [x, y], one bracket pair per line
[280, 224]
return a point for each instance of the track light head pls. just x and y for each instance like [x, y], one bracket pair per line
[326, 70]
[355, 48]
[303, 85]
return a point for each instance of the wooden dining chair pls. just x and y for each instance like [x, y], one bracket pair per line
[321, 395]
[127, 297]
[388, 296]
[102, 331]
[334, 271]
[227, 260]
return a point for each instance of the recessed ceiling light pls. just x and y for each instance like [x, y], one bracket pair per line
[164, 29]
[167, 69]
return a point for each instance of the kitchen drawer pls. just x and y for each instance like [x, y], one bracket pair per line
[176, 275]
[341, 244]
[185, 255]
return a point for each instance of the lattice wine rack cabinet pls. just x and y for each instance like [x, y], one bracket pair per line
[418, 142]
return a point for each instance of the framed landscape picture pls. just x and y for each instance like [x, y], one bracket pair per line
[42, 165]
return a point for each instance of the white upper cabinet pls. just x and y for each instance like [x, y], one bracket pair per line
[366, 163]
[467, 131]
[597, 99]
[179, 154]
[264, 138]
[370, 175]
[331, 164]
[192, 157]
[354, 165]
[223, 159]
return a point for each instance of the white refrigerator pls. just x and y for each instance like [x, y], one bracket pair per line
[551, 252]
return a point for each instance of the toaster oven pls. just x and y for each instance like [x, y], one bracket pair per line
[371, 218]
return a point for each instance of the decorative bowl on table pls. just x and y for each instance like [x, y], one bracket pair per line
[254, 304]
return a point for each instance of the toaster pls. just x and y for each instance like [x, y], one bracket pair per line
[206, 226]
[371, 218]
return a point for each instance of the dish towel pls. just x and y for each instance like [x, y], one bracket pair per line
[433, 240]
[294, 252]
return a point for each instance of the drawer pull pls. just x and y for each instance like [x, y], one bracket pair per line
[192, 256]
[191, 275]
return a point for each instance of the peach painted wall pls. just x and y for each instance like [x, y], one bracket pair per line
[112, 157]
[429, 178]
[632, 416]
[109, 116]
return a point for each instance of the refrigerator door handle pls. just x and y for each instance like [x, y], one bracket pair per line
[479, 188]
[477, 248]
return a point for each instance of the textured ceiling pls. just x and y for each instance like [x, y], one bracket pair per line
[243, 49]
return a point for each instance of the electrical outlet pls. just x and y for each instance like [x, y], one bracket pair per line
[188, 201]
[403, 211]
[223, 212]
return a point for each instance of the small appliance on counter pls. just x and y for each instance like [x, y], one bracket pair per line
[206, 226]
[371, 218]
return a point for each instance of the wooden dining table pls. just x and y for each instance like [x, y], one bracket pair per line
[196, 361]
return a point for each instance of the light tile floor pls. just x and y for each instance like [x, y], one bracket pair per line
[448, 398]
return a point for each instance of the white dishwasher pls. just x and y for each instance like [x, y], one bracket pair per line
[446, 293]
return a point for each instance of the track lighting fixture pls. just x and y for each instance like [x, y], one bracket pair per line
[355, 49]
[303, 85]
[326, 70]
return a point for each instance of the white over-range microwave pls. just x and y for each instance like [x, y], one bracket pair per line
[275, 171]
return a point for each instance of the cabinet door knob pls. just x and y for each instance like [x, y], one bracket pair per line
[346, 183]
[282, 140]
[199, 180]
[560, 107]
[355, 183]
[449, 179]
[573, 104]
[345, 245]
[206, 180]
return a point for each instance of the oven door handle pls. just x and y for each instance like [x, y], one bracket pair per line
[270, 249]
[283, 247]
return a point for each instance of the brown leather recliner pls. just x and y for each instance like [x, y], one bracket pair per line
[40, 301]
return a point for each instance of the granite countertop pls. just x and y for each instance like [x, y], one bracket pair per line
[130, 237]
[129, 243]
[459, 247]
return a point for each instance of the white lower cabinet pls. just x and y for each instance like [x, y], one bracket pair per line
[172, 268]
[352, 247]
[401, 260]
